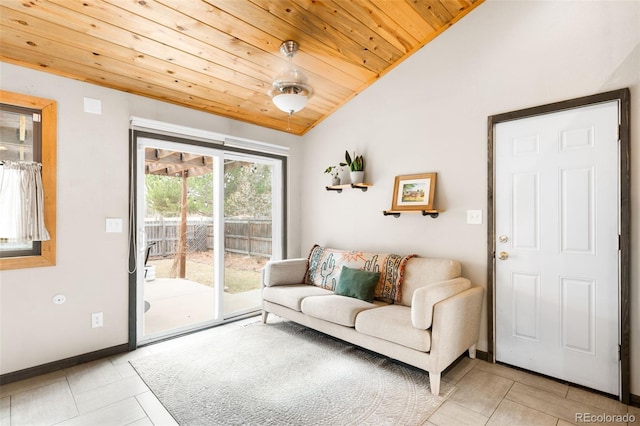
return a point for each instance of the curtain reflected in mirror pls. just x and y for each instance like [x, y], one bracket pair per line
[21, 204]
[19, 153]
[27, 181]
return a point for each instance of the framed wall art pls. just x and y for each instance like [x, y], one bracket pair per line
[414, 192]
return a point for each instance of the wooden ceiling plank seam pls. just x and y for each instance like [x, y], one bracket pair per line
[137, 73]
[340, 21]
[102, 77]
[404, 15]
[429, 18]
[455, 6]
[43, 63]
[323, 83]
[176, 20]
[318, 74]
[58, 36]
[327, 87]
[193, 79]
[333, 67]
[232, 5]
[284, 31]
[441, 11]
[432, 11]
[204, 32]
[273, 59]
[435, 34]
[43, 67]
[72, 40]
[232, 26]
[374, 19]
[299, 18]
[147, 30]
[224, 23]
[263, 91]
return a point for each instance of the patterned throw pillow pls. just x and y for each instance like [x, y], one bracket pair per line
[389, 287]
[326, 264]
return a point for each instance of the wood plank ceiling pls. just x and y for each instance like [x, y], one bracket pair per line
[221, 56]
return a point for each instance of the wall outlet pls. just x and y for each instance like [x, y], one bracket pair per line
[97, 320]
[474, 217]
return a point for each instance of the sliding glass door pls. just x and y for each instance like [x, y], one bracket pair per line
[248, 229]
[208, 220]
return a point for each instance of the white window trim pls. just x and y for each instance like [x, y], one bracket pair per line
[145, 124]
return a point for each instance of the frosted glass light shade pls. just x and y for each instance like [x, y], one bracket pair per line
[290, 91]
[290, 102]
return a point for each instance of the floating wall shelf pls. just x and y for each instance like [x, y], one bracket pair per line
[433, 213]
[339, 188]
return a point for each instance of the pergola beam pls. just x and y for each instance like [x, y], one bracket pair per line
[172, 163]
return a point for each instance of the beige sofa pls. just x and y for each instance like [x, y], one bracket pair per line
[434, 320]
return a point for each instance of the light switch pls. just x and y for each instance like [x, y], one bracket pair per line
[474, 217]
[114, 224]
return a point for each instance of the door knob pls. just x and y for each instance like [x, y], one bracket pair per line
[503, 255]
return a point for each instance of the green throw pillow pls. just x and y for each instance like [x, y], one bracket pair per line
[357, 283]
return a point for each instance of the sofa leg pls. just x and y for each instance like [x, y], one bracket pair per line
[265, 314]
[472, 351]
[434, 382]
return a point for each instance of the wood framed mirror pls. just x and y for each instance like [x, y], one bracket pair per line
[28, 132]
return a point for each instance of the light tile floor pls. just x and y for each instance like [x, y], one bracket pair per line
[109, 392]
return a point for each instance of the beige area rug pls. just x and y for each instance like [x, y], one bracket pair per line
[285, 374]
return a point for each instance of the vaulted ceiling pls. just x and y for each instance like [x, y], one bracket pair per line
[221, 56]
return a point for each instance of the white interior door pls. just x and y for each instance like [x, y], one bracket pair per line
[557, 230]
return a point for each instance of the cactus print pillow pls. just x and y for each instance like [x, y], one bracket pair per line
[325, 265]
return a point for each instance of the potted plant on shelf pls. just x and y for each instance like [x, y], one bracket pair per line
[334, 171]
[356, 167]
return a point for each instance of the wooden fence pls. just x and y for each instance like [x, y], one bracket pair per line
[246, 236]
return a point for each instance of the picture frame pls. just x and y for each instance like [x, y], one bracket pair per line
[414, 192]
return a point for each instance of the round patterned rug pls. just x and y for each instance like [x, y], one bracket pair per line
[285, 374]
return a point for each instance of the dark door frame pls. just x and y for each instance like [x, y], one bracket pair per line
[132, 343]
[624, 133]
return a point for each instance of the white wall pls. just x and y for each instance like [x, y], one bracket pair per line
[430, 115]
[92, 185]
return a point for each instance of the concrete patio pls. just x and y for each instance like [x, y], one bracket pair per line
[177, 302]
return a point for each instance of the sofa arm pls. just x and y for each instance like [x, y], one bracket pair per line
[425, 298]
[456, 327]
[284, 272]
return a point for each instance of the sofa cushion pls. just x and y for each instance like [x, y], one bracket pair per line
[325, 266]
[422, 271]
[357, 283]
[291, 296]
[393, 323]
[336, 309]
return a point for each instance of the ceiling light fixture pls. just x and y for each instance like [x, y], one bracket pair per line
[290, 91]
